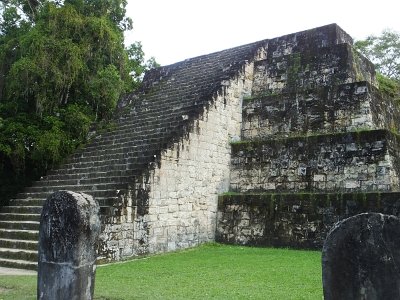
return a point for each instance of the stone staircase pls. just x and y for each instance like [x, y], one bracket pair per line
[105, 169]
[103, 173]
[114, 166]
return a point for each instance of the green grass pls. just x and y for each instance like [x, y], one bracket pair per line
[208, 272]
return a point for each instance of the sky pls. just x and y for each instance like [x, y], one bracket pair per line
[174, 30]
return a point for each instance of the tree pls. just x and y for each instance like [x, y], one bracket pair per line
[383, 51]
[63, 65]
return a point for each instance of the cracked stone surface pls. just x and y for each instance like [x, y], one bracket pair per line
[361, 258]
[69, 229]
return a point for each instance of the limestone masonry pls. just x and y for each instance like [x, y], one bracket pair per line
[268, 143]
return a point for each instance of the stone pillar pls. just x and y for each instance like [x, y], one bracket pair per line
[361, 258]
[69, 229]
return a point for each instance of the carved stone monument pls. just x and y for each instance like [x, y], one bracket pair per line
[361, 258]
[69, 229]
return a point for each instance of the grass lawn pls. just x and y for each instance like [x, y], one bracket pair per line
[210, 271]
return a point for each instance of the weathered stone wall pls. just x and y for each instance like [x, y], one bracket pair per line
[343, 108]
[300, 220]
[184, 189]
[318, 145]
[356, 161]
[340, 108]
[309, 67]
[173, 205]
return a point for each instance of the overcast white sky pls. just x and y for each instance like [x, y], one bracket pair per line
[174, 30]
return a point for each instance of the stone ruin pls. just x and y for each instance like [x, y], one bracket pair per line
[68, 233]
[360, 258]
[268, 143]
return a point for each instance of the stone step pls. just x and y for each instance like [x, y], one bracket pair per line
[149, 120]
[19, 254]
[18, 264]
[88, 163]
[97, 194]
[129, 133]
[78, 176]
[117, 153]
[134, 140]
[128, 130]
[340, 162]
[92, 171]
[32, 235]
[130, 147]
[20, 225]
[19, 217]
[82, 181]
[19, 244]
[77, 188]
[124, 147]
[26, 202]
[103, 201]
[106, 167]
[21, 209]
[120, 149]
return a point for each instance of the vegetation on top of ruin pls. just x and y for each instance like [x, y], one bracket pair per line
[384, 51]
[63, 67]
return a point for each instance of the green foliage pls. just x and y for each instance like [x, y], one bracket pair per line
[137, 64]
[105, 88]
[210, 271]
[63, 65]
[383, 51]
[388, 87]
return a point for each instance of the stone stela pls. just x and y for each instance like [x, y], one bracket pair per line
[68, 234]
[361, 258]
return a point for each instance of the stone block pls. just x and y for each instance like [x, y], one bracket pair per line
[350, 184]
[319, 177]
[68, 234]
[360, 258]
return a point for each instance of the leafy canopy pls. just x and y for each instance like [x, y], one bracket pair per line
[63, 65]
[383, 51]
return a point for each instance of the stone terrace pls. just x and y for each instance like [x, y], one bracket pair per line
[319, 143]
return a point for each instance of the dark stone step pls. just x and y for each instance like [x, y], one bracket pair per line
[21, 209]
[120, 153]
[83, 181]
[77, 188]
[79, 176]
[26, 202]
[137, 135]
[155, 117]
[132, 167]
[100, 190]
[20, 225]
[18, 264]
[32, 235]
[19, 254]
[96, 162]
[106, 200]
[33, 196]
[122, 149]
[19, 244]
[19, 217]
